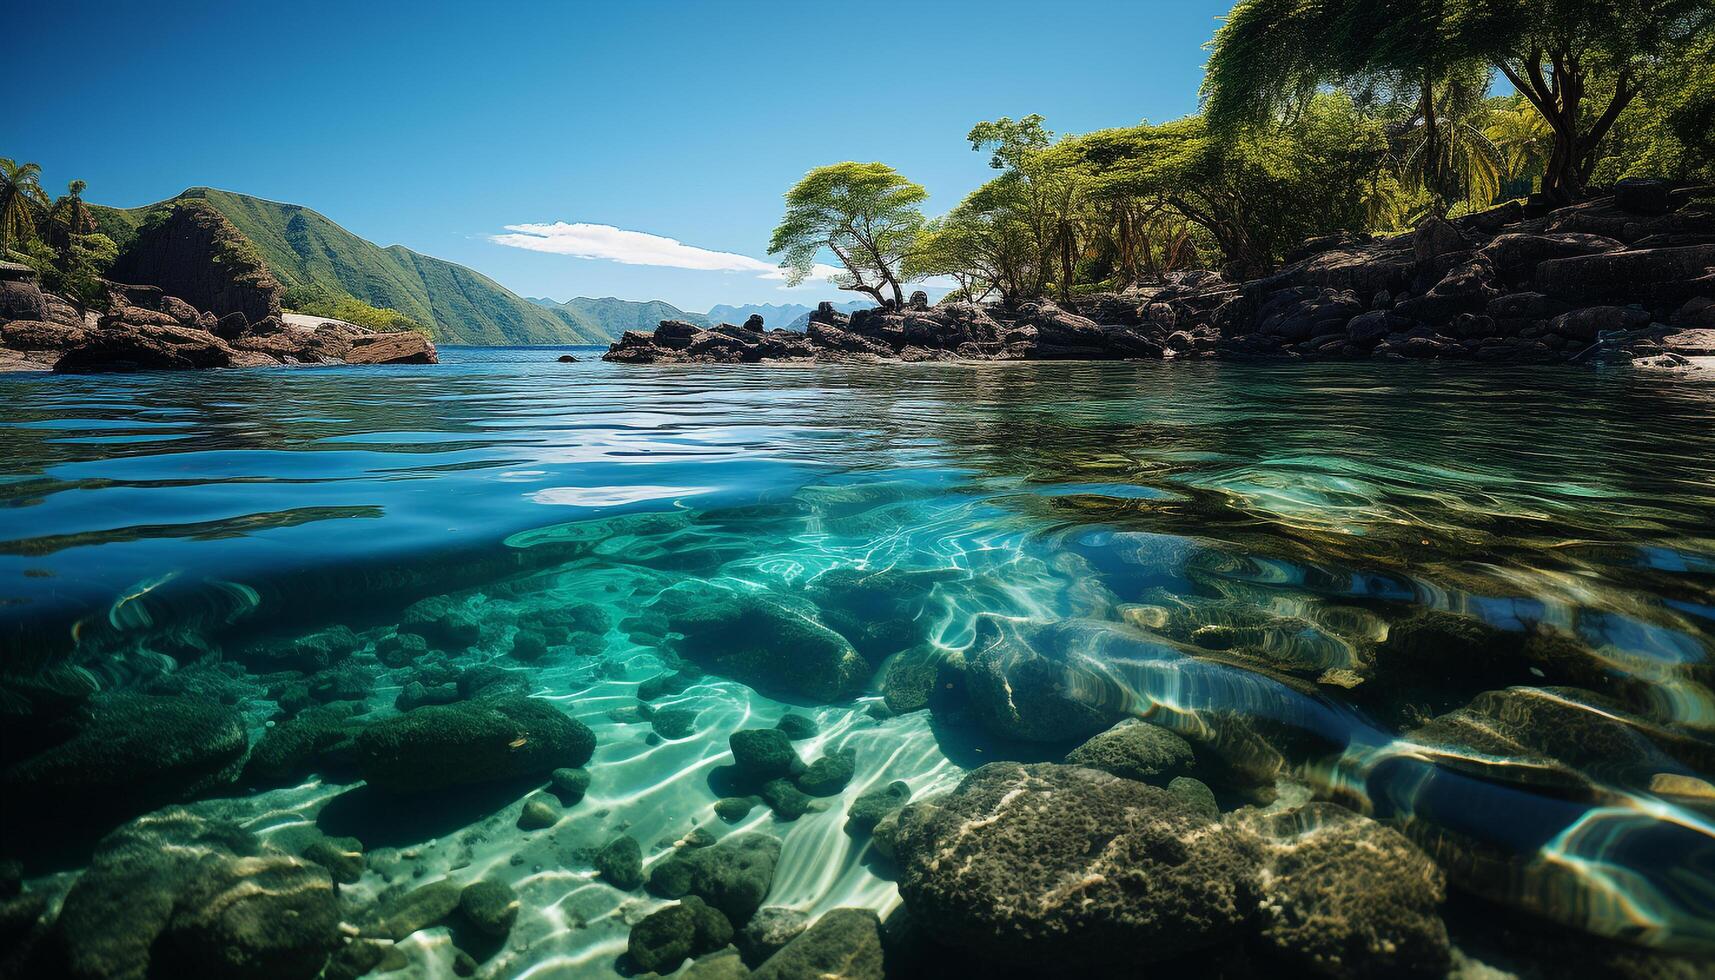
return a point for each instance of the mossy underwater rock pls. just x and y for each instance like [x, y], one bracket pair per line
[569, 785]
[1135, 749]
[844, 943]
[867, 810]
[174, 894]
[469, 742]
[620, 863]
[414, 910]
[770, 643]
[1038, 683]
[1072, 869]
[490, 907]
[733, 876]
[762, 754]
[292, 748]
[667, 937]
[127, 755]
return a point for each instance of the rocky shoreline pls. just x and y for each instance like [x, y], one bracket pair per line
[189, 300]
[1627, 276]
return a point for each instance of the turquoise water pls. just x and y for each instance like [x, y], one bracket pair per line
[1234, 552]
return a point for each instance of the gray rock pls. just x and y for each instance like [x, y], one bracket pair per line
[733, 876]
[538, 814]
[414, 910]
[770, 929]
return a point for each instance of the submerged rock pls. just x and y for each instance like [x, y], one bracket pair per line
[797, 727]
[569, 785]
[341, 856]
[770, 643]
[770, 929]
[537, 815]
[174, 894]
[829, 775]
[733, 876]
[620, 863]
[126, 755]
[1067, 868]
[1135, 749]
[667, 937]
[491, 906]
[1038, 683]
[868, 809]
[764, 753]
[844, 943]
[786, 800]
[440, 746]
[417, 909]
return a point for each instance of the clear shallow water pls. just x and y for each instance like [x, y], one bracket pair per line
[1222, 549]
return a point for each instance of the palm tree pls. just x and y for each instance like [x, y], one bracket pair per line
[1443, 149]
[20, 187]
[1524, 139]
[69, 218]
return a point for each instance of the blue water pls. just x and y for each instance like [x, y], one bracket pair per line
[1212, 546]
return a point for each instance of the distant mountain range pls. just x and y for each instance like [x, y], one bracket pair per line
[313, 256]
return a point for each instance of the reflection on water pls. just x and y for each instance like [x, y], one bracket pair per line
[1476, 603]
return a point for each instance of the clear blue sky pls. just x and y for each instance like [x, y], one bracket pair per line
[437, 125]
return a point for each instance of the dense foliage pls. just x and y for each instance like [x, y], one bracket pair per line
[1320, 116]
[320, 302]
[58, 239]
[866, 214]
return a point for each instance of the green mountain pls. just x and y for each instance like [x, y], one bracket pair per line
[319, 261]
[612, 317]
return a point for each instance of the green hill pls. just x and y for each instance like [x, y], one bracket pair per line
[319, 262]
[614, 316]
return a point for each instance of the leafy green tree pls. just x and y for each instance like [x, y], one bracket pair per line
[1443, 148]
[1040, 191]
[69, 217]
[20, 191]
[1257, 192]
[1557, 53]
[866, 214]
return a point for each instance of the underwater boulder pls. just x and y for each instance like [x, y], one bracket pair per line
[1346, 897]
[569, 785]
[1037, 683]
[175, 894]
[923, 677]
[829, 775]
[770, 643]
[786, 800]
[442, 623]
[127, 755]
[620, 863]
[770, 929]
[798, 727]
[1135, 749]
[764, 753]
[733, 876]
[667, 937]
[867, 810]
[490, 906]
[411, 911]
[1073, 869]
[308, 653]
[881, 611]
[725, 964]
[440, 746]
[844, 943]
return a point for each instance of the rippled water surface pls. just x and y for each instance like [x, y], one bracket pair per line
[1476, 603]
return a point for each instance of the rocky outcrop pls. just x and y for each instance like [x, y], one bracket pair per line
[1615, 277]
[194, 253]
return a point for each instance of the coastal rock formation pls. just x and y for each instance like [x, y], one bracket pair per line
[1617, 276]
[194, 253]
[441, 746]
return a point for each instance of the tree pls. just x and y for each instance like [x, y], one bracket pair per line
[1557, 53]
[1258, 192]
[1443, 149]
[866, 214]
[20, 190]
[1041, 191]
[69, 218]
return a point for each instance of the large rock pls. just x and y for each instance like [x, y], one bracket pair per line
[1038, 683]
[1641, 275]
[40, 335]
[403, 347]
[667, 937]
[126, 755]
[770, 643]
[179, 895]
[843, 943]
[1346, 897]
[733, 876]
[194, 253]
[20, 297]
[1135, 749]
[441, 746]
[120, 345]
[1064, 868]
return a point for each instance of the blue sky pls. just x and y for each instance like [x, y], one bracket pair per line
[436, 126]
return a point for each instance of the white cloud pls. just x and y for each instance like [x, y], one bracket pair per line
[605, 242]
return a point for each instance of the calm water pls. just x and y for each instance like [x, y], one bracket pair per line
[1225, 549]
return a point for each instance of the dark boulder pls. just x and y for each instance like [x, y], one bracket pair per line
[193, 252]
[844, 943]
[667, 937]
[442, 746]
[120, 346]
[1135, 749]
[1038, 683]
[867, 810]
[620, 863]
[764, 753]
[733, 875]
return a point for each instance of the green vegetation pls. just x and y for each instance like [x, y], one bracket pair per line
[316, 302]
[320, 262]
[1320, 116]
[610, 317]
[73, 257]
[866, 214]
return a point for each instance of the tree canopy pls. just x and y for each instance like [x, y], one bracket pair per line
[866, 214]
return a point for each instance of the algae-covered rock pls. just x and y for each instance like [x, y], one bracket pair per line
[1346, 897]
[1196, 794]
[1039, 683]
[769, 930]
[442, 623]
[127, 755]
[843, 943]
[667, 937]
[620, 863]
[470, 742]
[491, 906]
[414, 910]
[674, 723]
[341, 856]
[771, 643]
[764, 753]
[732, 809]
[1073, 869]
[797, 726]
[1135, 749]
[867, 810]
[537, 814]
[733, 876]
[569, 784]
[786, 800]
[723, 964]
[829, 775]
[308, 653]
[923, 677]
[174, 894]
[293, 747]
